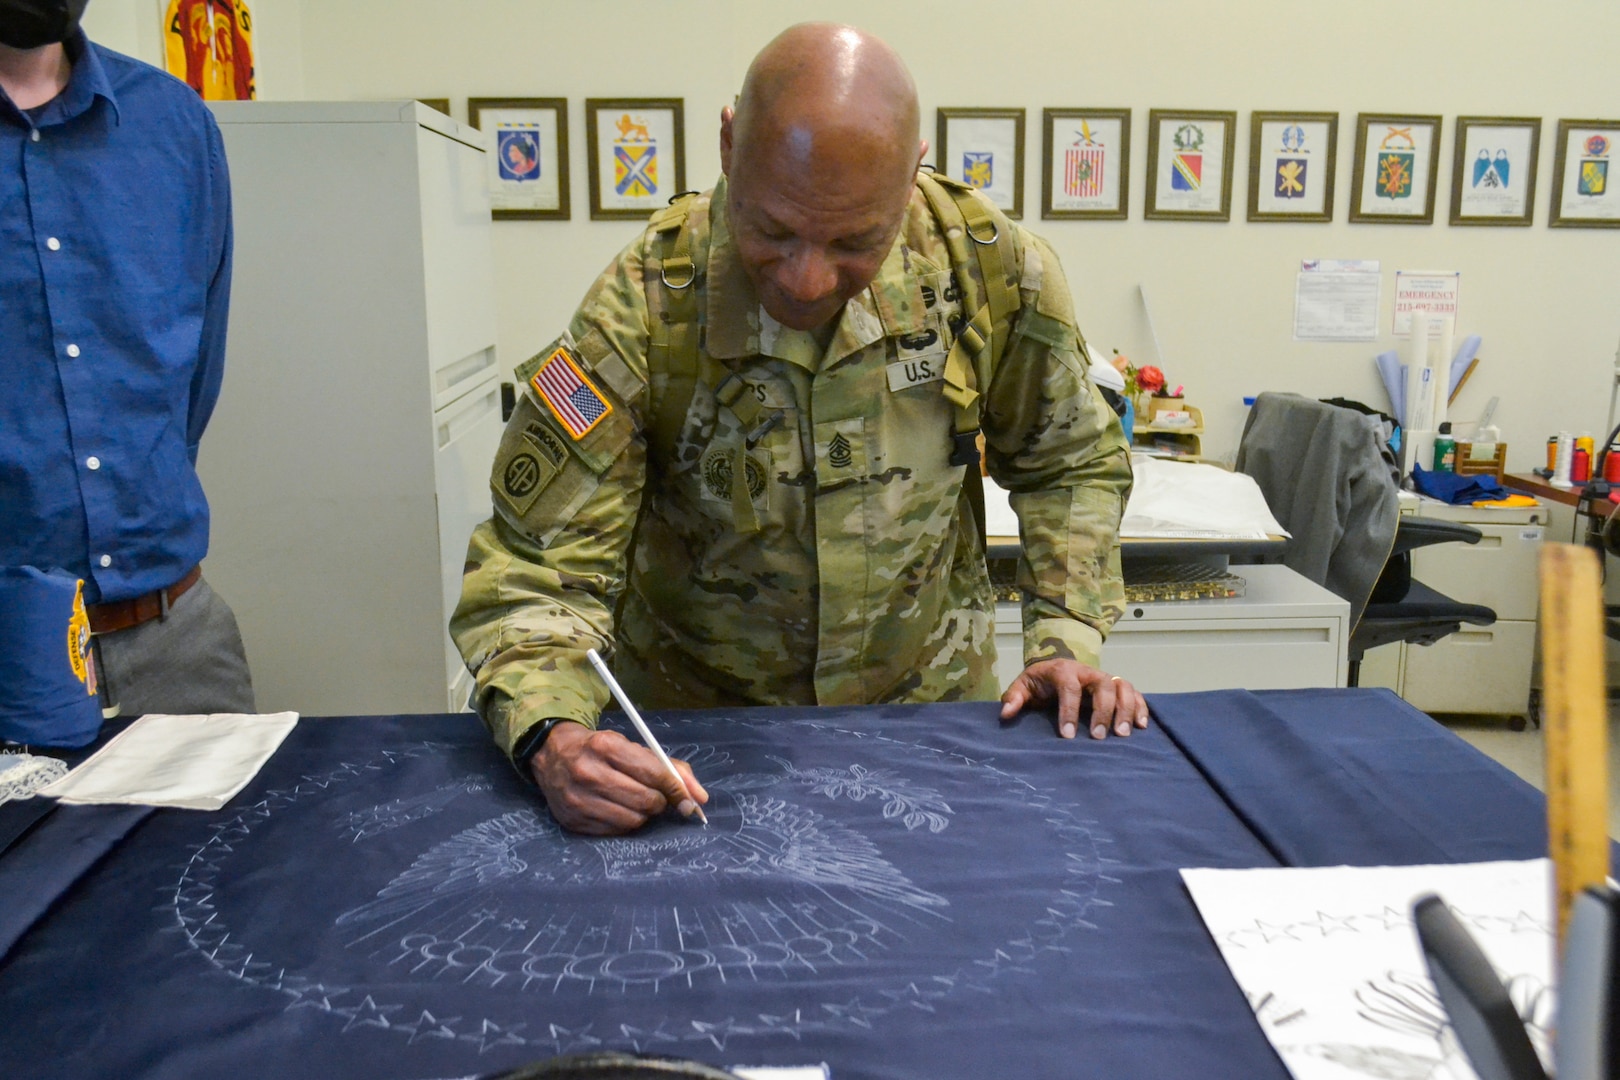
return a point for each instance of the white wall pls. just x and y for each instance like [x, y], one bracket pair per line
[1545, 301]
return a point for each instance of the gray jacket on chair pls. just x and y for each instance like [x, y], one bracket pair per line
[1329, 478]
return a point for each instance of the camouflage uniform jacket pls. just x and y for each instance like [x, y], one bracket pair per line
[864, 582]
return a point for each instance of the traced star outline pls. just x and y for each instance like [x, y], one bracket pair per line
[1331, 924]
[369, 1014]
[326, 994]
[428, 1026]
[638, 1036]
[719, 1033]
[492, 1034]
[784, 1025]
[854, 1011]
[566, 1039]
[912, 996]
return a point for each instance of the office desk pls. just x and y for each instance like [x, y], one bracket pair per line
[897, 891]
[1541, 489]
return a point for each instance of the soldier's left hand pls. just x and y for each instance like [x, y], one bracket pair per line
[1116, 705]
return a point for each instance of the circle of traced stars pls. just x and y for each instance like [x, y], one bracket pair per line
[197, 919]
[1325, 925]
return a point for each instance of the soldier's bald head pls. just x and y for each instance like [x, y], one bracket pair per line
[820, 156]
[826, 96]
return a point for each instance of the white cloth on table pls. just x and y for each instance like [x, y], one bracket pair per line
[190, 762]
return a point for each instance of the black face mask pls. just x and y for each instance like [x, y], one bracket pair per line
[28, 24]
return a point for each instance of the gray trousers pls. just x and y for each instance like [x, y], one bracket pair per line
[190, 661]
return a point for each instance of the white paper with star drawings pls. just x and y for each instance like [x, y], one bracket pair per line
[1330, 962]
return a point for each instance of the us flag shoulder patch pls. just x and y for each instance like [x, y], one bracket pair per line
[569, 393]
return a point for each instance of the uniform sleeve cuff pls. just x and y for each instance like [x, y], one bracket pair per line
[1060, 639]
[511, 722]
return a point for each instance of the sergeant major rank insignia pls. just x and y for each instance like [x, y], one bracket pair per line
[569, 393]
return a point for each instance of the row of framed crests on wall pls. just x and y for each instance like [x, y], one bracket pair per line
[636, 161]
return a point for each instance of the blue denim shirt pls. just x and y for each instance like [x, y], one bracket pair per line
[115, 269]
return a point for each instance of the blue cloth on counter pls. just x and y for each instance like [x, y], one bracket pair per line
[115, 266]
[898, 891]
[47, 697]
[1449, 487]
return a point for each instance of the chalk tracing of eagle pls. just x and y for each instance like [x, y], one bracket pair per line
[771, 885]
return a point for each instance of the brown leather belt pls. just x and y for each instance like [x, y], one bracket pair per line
[123, 614]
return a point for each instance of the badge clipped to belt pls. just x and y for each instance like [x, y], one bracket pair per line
[47, 667]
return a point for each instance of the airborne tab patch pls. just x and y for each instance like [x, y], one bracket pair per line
[569, 393]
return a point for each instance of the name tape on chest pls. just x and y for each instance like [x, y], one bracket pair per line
[904, 374]
[569, 393]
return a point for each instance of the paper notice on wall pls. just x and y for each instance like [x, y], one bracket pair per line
[1336, 300]
[1435, 291]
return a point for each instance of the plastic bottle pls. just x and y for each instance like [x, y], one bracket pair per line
[1566, 447]
[1445, 449]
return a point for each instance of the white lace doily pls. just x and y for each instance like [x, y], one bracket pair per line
[21, 775]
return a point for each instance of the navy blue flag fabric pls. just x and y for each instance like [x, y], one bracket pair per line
[47, 689]
[911, 891]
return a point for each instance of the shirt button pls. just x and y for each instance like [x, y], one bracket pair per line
[73, 350]
[33, 136]
[92, 463]
[53, 243]
[106, 560]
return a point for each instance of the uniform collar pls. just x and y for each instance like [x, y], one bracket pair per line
[87, 82]
[891, 305]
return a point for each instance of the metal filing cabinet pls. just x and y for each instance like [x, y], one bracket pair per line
[1284, 633]
[1481, 669]
[349, 458]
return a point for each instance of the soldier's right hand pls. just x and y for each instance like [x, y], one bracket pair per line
[600, 783]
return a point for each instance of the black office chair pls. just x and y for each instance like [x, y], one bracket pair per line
[1331, 480]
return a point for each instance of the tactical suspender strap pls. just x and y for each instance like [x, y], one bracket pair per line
[670, 275]
[675, 348]
[972, 234]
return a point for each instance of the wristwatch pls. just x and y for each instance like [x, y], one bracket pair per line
[531, 742]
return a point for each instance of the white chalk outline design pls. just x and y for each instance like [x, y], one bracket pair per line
[456, 913]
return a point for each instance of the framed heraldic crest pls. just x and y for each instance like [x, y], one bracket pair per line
[1189, 171]
[1584, 195]
[1085, 164]
[1493, 170]
[1292, 160]
[636, 150]
[984, 149]
[528, 156]
[1397, 161]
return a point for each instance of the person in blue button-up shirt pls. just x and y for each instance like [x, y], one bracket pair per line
[115, 269]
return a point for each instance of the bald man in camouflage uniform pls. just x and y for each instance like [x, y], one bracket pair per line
[801, 532]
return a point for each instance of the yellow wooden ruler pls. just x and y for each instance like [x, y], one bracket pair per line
[1575, 722]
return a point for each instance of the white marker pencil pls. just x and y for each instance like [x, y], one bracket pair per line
[641, 725]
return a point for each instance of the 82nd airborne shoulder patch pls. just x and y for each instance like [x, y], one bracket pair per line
[573, 399]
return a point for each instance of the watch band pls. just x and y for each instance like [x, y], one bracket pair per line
[533, 739]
